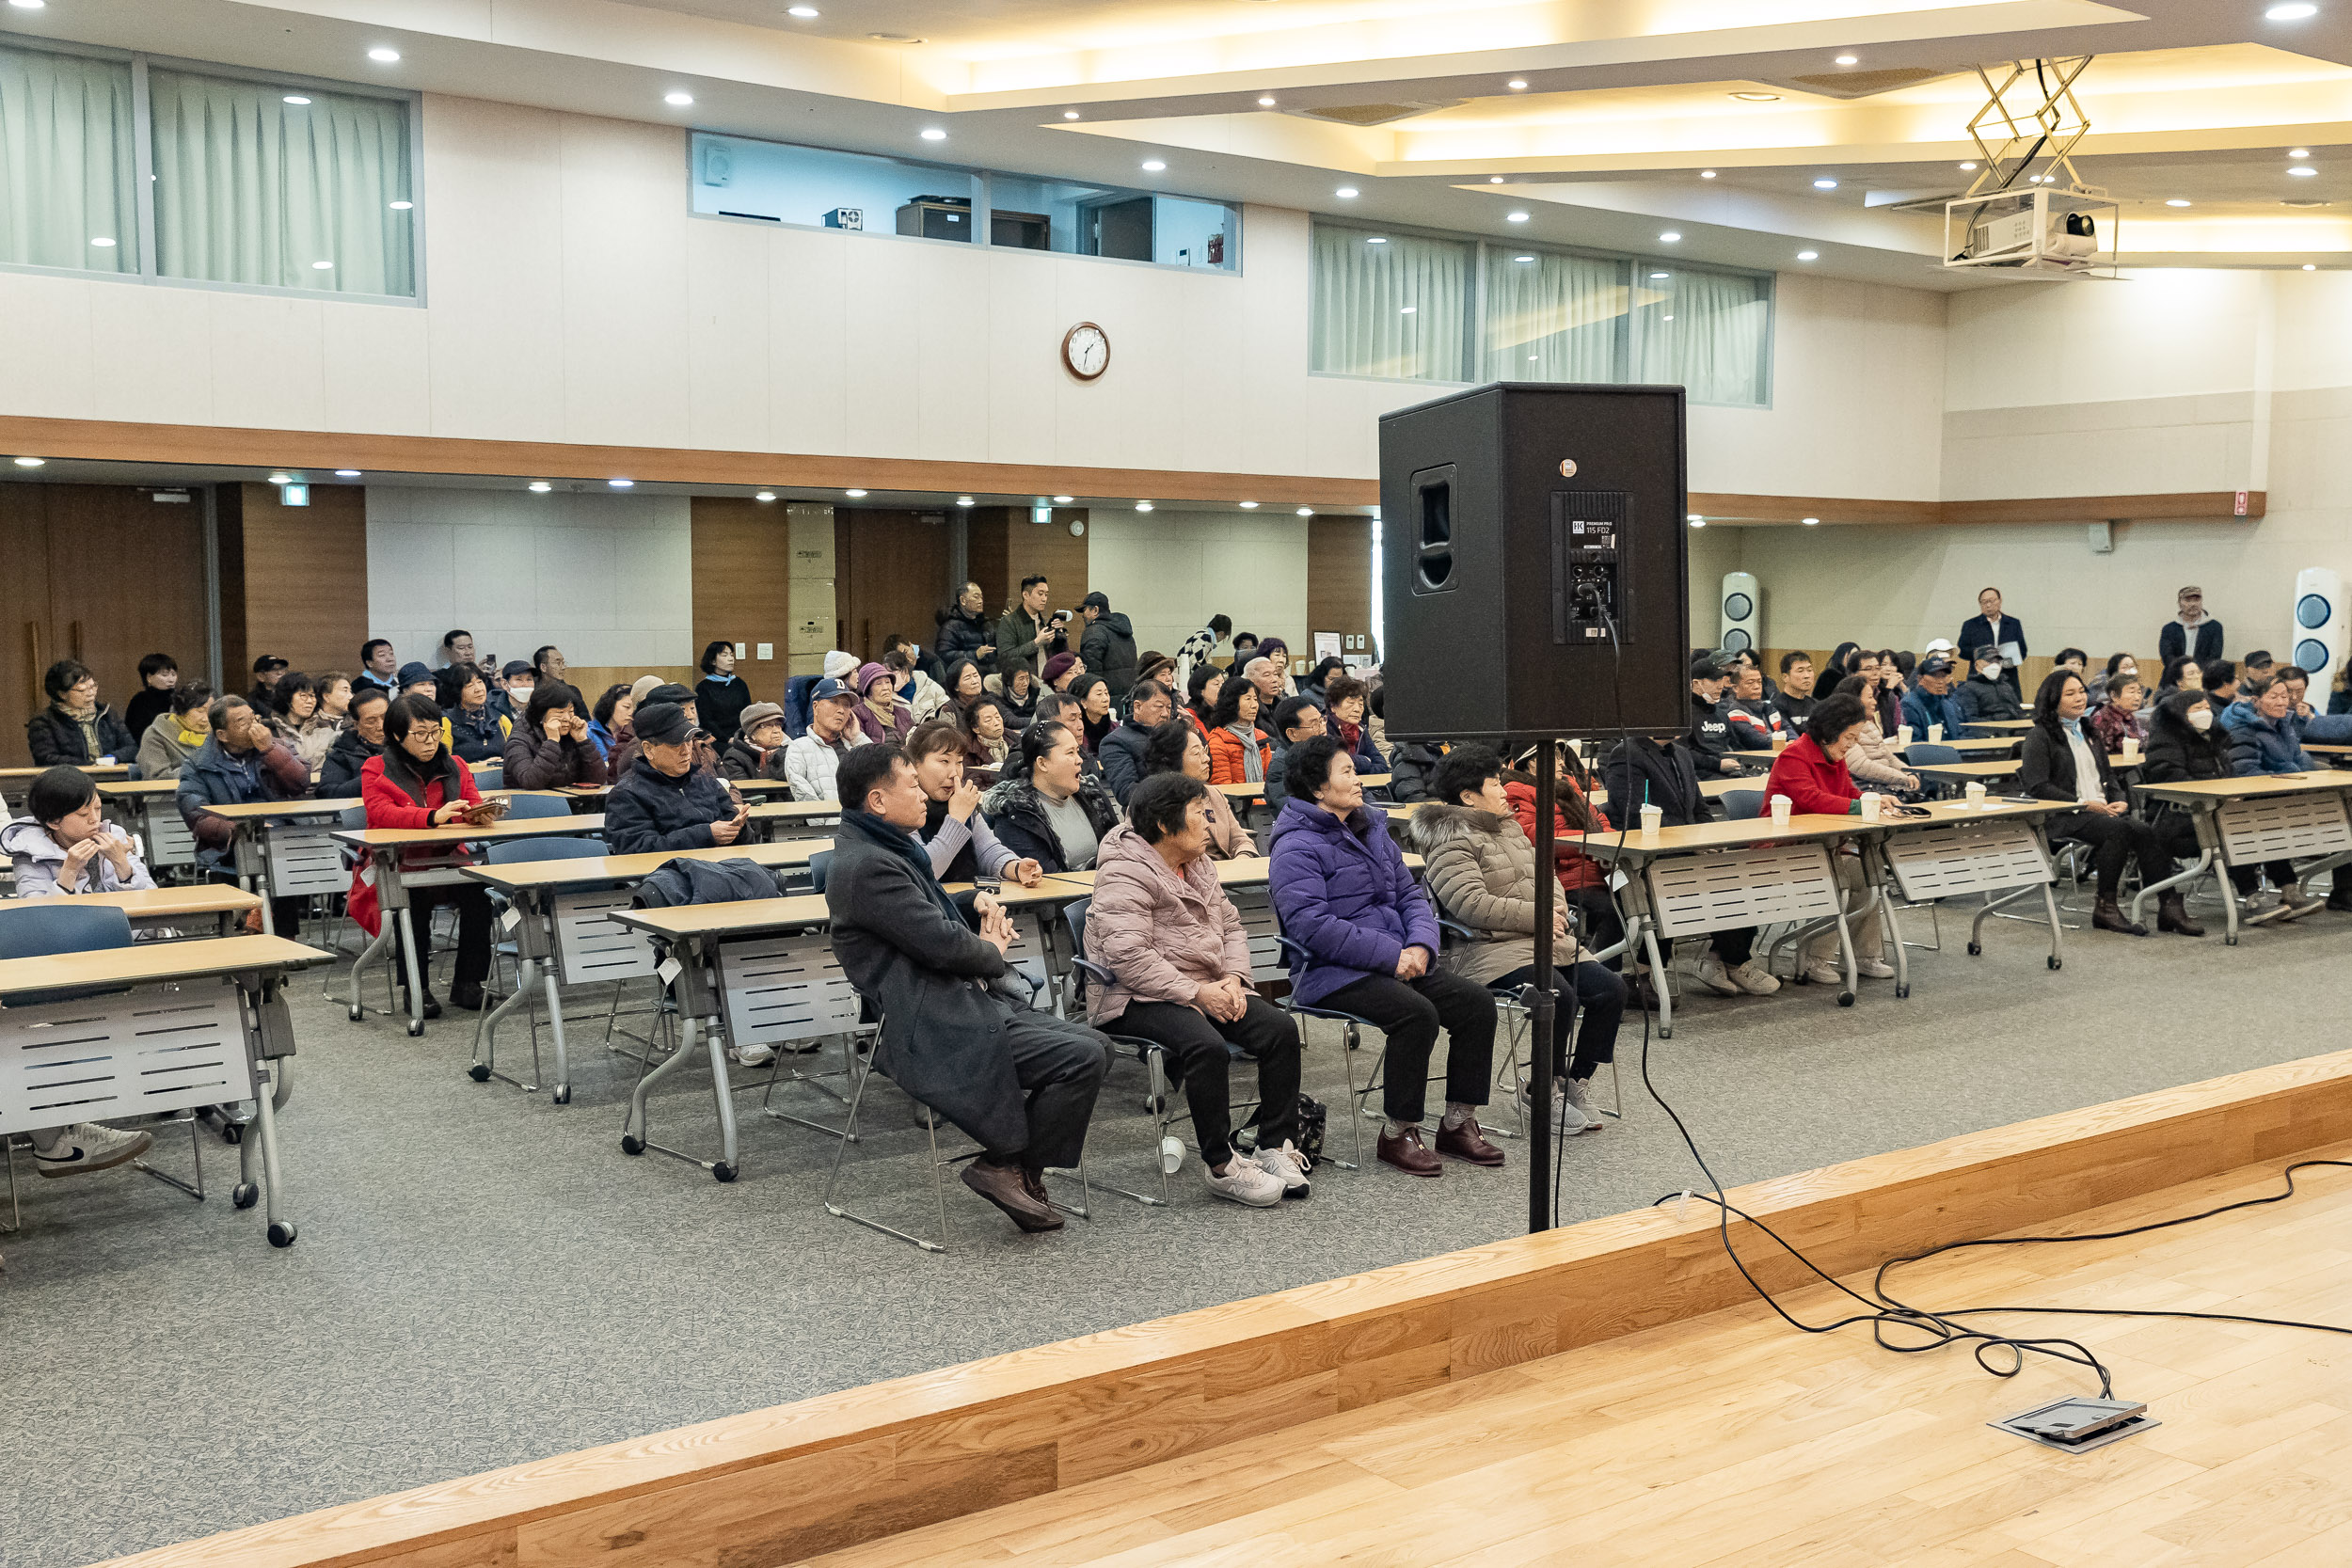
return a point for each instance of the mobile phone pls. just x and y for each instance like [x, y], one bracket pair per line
[989, 882]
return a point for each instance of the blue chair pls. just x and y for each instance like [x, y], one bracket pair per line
[1351, 1034]
[819, 863]
[539, 805]
[796, 692]
[44, 928]
[493, 777]
[1923, 755]
[1741, 805]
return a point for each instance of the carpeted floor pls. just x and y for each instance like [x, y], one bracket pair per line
[484, 1279]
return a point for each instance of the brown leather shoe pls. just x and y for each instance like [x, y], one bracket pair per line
[2107, 916]
[1467, 1142]
[1405, 1152]
[1006, 1186]
[1033, 1182]
[2172, 915]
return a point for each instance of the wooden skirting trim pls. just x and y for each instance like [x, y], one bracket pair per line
[2199, 505]
[117, 442]
[780, 1484]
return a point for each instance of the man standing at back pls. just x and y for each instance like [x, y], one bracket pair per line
[1027, 637]
[1108, 645]
[2192, 631]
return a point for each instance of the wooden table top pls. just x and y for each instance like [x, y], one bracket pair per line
[2017, 725]
[739, 918]
[794, 811]
[580, 826]
[2327, 749]
[146, 903]
[1989, 746]
[1239, 791]
[1374, 781]
[585, 870]
[95, 769]
[133, 789]
[770, 786]
[255, 811]
[1058, 888]
[2251, 787]
[1714, 789]
[151, 961]
[1980, 771]
[1716, 835]
[1945, 812]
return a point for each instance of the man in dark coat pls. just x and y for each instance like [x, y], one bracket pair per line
[664, 801]
[964, 632]
[1122, 752]
[1021, 1082]
[1108, 645]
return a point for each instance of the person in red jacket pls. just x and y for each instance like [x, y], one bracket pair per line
[416, 783]
[1582, 881]
[1812, 773]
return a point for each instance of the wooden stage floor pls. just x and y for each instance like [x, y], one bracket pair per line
[1732, 1439]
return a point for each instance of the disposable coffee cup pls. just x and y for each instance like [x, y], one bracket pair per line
[2131, 748]
[1935, 733]
[1779, 742]
[1870, 808]
[1975, 794]
[1781, 808]
[1903, 735]
[1653, 818]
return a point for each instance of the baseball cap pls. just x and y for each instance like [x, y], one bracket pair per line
[1935, 664]
[518, 667]
[1940, 645]
[669, 691]
[758, 714]
[1095, 601]
[267, 662]
[664, 723]
[1704, 668]
[828, 688]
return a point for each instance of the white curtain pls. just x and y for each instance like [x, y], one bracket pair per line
[250, 188]
[66, 162]
[1709, 331]
[1399, 307]
[1554, 318]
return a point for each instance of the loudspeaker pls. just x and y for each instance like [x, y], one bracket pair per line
[2322, 624]
[1521, 523]
[1743, 615]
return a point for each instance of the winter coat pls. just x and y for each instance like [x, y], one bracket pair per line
[144, 709]
[1576, 868]
[2111, 724]
[1017, 812]
[1229, 756]
[1709, 738]
[1108, 647]
[943, 1028]
[1923, 709]
[2177, 751]
[478, 736]
[1874, 760]
[339, 775]
[2172, 642]
[962, 635]
[1794, 711]
[743, 760]
[312, 739]
[39, 861]
[165, 748]
[811, 765]
[925, 698]
[404, 797]
[648, 811]
[213, 777]
[1162, 935]
[2260, 745]
[1816, 786]
[1641, 773]
[56, 737]
[1753, 725]
[1980, 699]
[685, 881]
[1412, 765]
[2045, 771]
[719, 703]
[535, 762]
[1121, 755]
[1481, 869]
[1227, 839]
[1024, 640]
[1977, 632]
[1341, 893]
[1195, 646]
[871, 725]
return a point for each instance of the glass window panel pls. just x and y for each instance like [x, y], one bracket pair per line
[738, 178]
[1390, 305]
[296, 187]
[1555, 318]
[66, 165]
[1708, 331]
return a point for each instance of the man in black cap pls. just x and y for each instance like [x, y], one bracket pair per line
[664, 802]
[705, 749]
[266, 669]
[1710, 727]
[516, 683]
[1108, 645]
[1931, 703]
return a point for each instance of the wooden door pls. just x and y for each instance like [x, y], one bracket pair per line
[890, 574]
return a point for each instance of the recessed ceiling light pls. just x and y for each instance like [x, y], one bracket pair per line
[621, 484]
[963, 501]
[28, 5]
[30, 462]
[382, 55]
[1377, 239]
[1306, 511]
[1670, 237]
[1515, 85]
[1697, 521]
[346, 473]
[2291, 13]
[932, 132]
[1808, 255]
[1494, 179]
[1523, 258]
[1661, 274]
[296, 99]
[1968, 166]
[2176, 201]
[2311, 266]
[1516, 217]
[806, 13]
[2298, 152]
[1824, 183]
[1813, 522]
[402, 206]
[1345, 193]
[281, 477]
[2303, 171]
[540, 488]
[854, 495]
[1665, 318]
[1757, 97]
[1707, 174]
[1533, 357]
[677, 100]
[765, 496]
[1143, 506]
[1248, 506]
[101, 242]
[1154, 166]
[322, 266]
[1847, 60]
[1265, 103]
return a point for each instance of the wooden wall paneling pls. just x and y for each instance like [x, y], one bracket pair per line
[890, 574]
[988, 555]
[27, 646]
[126, 579]
[1338, 582]
[236, 665]
[742, 587]
[774, 1483]
[301, 578]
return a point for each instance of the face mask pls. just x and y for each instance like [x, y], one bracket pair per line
[2200, 720]
[1988, 671]
[2128, 673]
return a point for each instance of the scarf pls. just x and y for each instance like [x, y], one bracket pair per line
[903, 845]
[415, 777]
[1351, 736]
[1252, 760]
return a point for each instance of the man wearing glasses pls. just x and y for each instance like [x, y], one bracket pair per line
[2193, 632]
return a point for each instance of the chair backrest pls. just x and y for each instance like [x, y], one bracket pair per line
[819, 863]
[796, 704]
[490, 778]
[538, 805]
[44, 927]
[508, 852]
[1921, 754]
[1073, 914]
[1740, 805]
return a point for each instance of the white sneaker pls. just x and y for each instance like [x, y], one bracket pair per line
[1244, 1181]
[1580, 1094]
[1288, 1167]
[1754, 979]
[1709, 970]
[753, 1055]
[1874, 969]
[1825, 973]
[88, 1147]
[1567, 1115]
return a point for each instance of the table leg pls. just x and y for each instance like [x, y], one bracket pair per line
[281, 1230]
[563, 1095]
[722, 1093]
[373, 953]
[2197, 868]
[416, 972]
[485, 1030]
[1879, 873]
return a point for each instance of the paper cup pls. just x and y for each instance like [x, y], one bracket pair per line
[1903, 735]
[2131, 748]
[1975, 794]
[1935, 733]
[1653, 818]
[1779, 742]
[1781, 808]
[1870, 808]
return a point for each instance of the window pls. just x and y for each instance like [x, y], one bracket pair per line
[166, 172]
[1401, 306]
[737, 178]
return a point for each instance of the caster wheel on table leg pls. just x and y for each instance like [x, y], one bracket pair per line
[2057, 962]
[245, 1195]
[723, 1171]
[282, 1233]
[232, 1133]
[357, 1013]
[563, 1094]
[1844, 999]
[632, 1145]
[1976, 950]
[416, 1028]
[479, 1072]
[1901, 991]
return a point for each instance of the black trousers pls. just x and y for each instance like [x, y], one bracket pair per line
[1060, 1065]
[1410, 1013]
[1734, 947]
[1599, 1004]
[2114, 841]
[1197, 1058]
[473, 931]
[2177, 833]
[1603, 925]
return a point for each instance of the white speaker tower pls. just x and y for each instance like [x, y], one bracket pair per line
[2322, 624]
[1743, 614]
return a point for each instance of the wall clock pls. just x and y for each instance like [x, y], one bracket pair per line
[1085, 351]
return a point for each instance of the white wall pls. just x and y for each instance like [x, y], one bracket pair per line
[606, 577]
[1169, 571]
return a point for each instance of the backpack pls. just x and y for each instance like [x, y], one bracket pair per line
[1312, 1118]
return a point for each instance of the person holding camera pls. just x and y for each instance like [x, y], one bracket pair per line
[1028, 636]
[664, 802]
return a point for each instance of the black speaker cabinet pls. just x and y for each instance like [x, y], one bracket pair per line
[1519, 523]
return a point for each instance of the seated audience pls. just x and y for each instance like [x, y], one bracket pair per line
[1875, 761]
[721, 696]
[965, 685]
[1930, 709]
[1795, 700]
[1368, 945]
[75, 726]
[2180, 673]
[2259, 663]
[1297, 720]
[1052, 811]
[2262, 731]
[1812, 773]
[1277, 653]
[988, 737]
[378, 665]
[159, 674]
[1348, 710]
[919, 691]
[339, 775]
[240, 762]
[757, 750]
[1888, 705]
[1756, 723]
[1709, 737]
[1842, 661]
[1179, 967]
[2120, 717]
[614, 711]
[2309, 724]
[1122, 752]
[1092, 694]
[262, 698]
[1481, 869]
[1245, 648]
[416, 782]
[2220, 678]
[1646, 771]
[1273, 685]
[965, 632]
[810, 761]
[1986, 694]
[2340, 690]
[2074, 660]
[1108, 643]
[1020, 691]
[877, 712]
[1061, 670]
[1203, 687]
[456, 658]
[469, 726]
[665, 802]
[418, 680]
[302, 722]
[1583, 881]
[511, 693]
[167, 746]
[1020, 1081]
[2120, 667]
[549, 661]
[2061, 763]
[63, 845]
[550, 749]
[650, 690]
[1176, 747]
[1412, 764]
[1317, 685]
[2186, 746]
[961, 845]
[1154, 665]
[1237, 751]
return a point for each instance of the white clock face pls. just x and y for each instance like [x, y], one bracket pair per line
[1089, 351]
